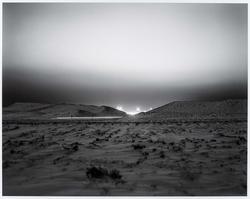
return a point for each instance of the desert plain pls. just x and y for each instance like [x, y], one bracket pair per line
[130, 156]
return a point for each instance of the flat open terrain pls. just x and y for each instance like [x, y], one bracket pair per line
[185, 158]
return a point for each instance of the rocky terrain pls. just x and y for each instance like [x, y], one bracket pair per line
[120, 158]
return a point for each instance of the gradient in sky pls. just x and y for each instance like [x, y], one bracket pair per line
[131, 55]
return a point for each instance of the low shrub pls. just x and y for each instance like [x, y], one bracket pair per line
[138, 146]
[99, 172]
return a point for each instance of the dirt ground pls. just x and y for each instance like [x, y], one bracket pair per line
[139, 159]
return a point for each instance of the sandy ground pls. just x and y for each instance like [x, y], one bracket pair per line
[194, 158]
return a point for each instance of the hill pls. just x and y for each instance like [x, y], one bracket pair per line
[197, 110]
[44, 111]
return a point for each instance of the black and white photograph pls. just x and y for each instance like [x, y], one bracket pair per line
[124, 99]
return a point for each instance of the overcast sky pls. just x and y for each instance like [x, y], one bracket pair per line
[131, 55]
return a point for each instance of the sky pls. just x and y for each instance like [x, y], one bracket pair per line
[133, 56]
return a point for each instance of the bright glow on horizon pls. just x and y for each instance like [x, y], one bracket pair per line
[131, 113]
[138, 110]
[119, 108]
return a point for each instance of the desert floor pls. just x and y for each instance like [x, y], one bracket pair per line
[191, 158]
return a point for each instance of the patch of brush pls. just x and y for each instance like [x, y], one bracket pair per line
[101, 173]
[138, 146]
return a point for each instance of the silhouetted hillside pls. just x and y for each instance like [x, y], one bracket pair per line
[197, 110]
[37, 110]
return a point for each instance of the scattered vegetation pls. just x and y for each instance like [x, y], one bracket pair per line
[115, 174]
[138, 146]
[97, 172]
[71, 147]
[162, 154]
[188, 175]
[103, 173]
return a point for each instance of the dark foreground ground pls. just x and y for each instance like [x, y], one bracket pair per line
[188, 158]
